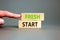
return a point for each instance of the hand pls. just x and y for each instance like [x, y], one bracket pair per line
[7, 14]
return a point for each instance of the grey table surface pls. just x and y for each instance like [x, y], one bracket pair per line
[52, 33]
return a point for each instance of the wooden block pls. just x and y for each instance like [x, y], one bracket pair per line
[42, 16]
[29, 24]
[32, 16]
[31, 20]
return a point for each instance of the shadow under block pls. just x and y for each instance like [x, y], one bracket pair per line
[31, 20]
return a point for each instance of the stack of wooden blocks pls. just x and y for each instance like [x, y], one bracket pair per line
[31, 20]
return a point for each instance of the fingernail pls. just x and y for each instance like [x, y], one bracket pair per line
[18, 15]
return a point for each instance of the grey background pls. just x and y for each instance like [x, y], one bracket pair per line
[51, 8]
[50, 27]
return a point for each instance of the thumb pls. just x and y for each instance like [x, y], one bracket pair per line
[1, 21]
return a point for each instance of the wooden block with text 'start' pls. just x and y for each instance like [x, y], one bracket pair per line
[29, 24]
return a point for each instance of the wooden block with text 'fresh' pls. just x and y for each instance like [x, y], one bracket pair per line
[32, 16]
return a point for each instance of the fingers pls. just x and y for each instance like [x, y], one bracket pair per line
[9, 14]
[1, 21]
[12, 15]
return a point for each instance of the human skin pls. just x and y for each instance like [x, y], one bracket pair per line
[4, 13]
